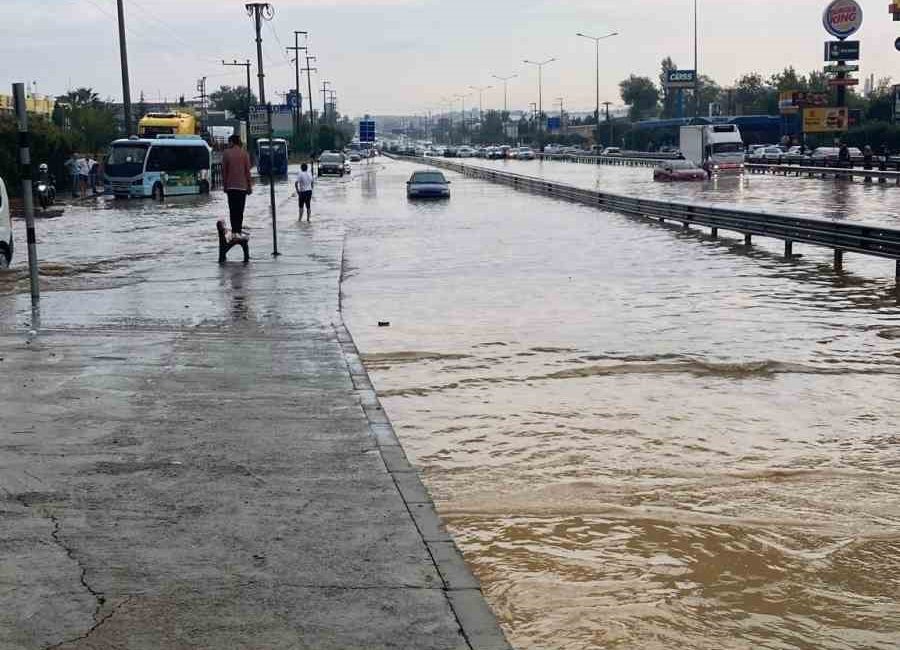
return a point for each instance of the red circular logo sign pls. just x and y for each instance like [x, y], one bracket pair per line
[842, 18]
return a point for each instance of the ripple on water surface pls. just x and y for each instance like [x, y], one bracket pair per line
[640, 438]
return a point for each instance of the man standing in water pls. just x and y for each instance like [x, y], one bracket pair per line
[304, 187]
[236, 181]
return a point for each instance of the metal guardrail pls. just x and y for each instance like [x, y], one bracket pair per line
[622, 161]
[841, 236]
[824, 172]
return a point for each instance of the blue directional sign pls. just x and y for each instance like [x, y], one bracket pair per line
[554, 124]
[367, 130]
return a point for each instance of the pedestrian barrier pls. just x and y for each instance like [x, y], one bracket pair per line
[228, 240]
[841, 236]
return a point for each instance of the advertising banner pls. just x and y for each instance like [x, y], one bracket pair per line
[825, 120]
[681, 78]
[842, 51]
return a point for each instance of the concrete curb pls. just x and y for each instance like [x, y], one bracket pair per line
[463, 592]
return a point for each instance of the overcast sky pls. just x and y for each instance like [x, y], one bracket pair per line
[403, 56]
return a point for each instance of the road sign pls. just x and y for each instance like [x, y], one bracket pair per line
[842, 51]
[842, 18]
[681, 78]
[824, 120]
[293, 100]
[896, 102]
[837, 69]
[554, 124]
[259, 120]
[367, 130]
[843, 82]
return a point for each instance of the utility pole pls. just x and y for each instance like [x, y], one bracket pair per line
[246, 65]
[204, 114]
[324, 92]
[260, 11]
[608, 121]
[298, 110]
[540, 66]
[332, 96]
[505, 81]
[123, 54]
[312, 111]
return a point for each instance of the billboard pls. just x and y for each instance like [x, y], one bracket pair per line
[681, 78]
[825, 120]
[842, 50]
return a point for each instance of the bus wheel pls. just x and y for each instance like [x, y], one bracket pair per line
[204, 187]
[158, 192]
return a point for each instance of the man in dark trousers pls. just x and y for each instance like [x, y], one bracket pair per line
[236, 181]
[304, 185]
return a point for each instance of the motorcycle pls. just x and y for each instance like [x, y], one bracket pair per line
[45, 193]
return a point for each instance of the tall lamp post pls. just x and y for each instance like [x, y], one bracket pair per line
[696, 63]
[505, 81]
[597, 40]
[480, 90]
[540, 66]
[463, 98]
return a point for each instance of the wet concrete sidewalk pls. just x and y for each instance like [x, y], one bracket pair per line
[197, 460]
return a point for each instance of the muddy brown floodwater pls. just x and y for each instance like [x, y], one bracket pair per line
[642, 438]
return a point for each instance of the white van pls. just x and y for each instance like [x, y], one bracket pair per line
[6, 237]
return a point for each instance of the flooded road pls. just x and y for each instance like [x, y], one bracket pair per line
[640, 438]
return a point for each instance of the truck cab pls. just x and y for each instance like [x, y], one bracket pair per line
[717, 148]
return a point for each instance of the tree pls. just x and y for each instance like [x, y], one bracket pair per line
[81, 97]
[788, 79]
[641, 96]
[710, 93]
[668, 96]
[231, 99]
[751, 93]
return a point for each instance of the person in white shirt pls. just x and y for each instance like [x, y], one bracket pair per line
[304, 185]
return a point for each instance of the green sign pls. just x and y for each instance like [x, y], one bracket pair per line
[837, 69]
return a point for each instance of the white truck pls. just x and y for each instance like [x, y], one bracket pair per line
[717, 148]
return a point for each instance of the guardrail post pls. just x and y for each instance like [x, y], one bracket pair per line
[788, 249]
[748, 239]
[838, 260]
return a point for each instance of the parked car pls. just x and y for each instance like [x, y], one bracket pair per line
[679, 170]
[773, 155]
[829, 156]
[611, 151]
[355, 157]
[465, 151]
[331, 163]
[427, 183]
[6, 238]
[524, 153]
[795, 155]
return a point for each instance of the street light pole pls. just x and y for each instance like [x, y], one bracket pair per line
[505, 81]
[608, 121]
[463, 98]
[597, 40]
[696, 69]
[480, 90]
[540, 66]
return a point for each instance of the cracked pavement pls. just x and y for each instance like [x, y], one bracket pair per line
[184, 460]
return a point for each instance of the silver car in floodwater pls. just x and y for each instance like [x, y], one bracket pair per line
[427, 184]
[6, 237]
